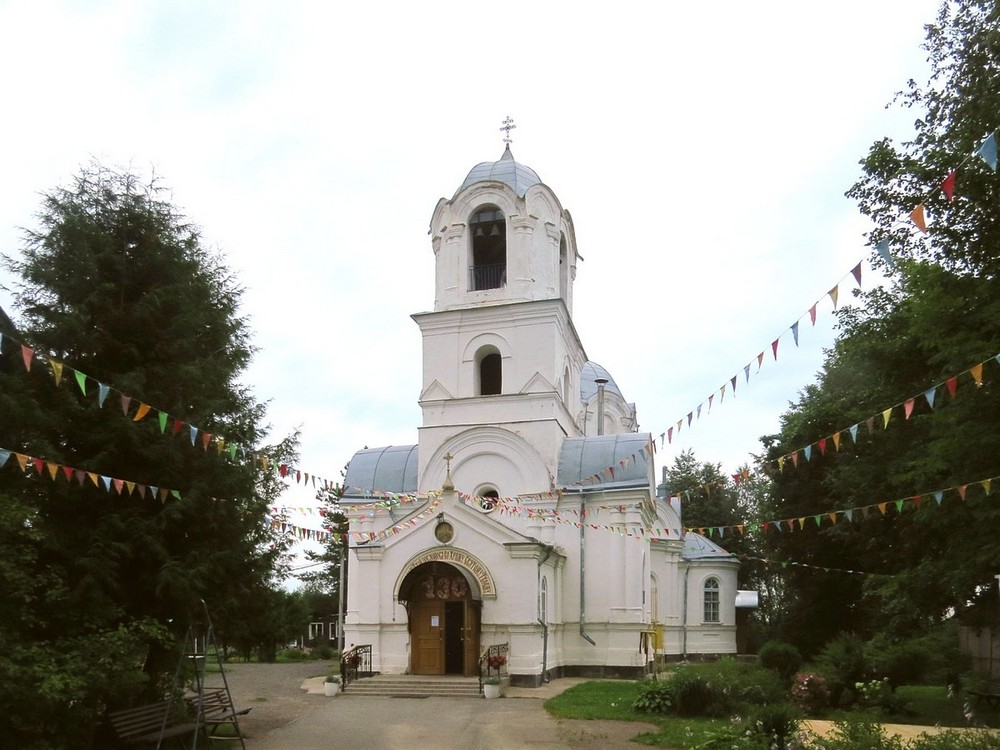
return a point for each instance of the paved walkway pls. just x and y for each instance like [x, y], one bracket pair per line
[361, 722]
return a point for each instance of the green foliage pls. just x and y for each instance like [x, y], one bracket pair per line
[810, 693]
[879, 694]
[782, 657]
[693, 695]
[655, 697]
[778, 722]
[98, 587]
[860, 735]
[842, 662]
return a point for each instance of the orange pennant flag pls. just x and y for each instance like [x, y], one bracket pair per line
[836, 440]
[881, 508]
[917, 216]
[93, 478]
[142, 411]
[57, 368]
[977, 374]
[53, 470]
[22, 461]
[833, 516]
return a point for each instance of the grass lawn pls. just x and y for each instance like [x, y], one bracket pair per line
[929, 705]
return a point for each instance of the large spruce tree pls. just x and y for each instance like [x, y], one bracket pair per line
[116, 287]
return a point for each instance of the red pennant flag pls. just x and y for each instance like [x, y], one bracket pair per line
[68, 472]
[27, 355]
[178, 424]
[760, 360]
[795, 458]
[126, 400]
[908, 407]
[670, 435]
[119, 485]
[961, 490]
[774, 348]
[206, 438]
[812, 314]
[948, 185]
[822, 446]
[952, 383]
[39, 464]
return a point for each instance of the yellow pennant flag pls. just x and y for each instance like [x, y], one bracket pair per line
[986, 485]
[53, 469]
[885, 417]
[22, 461]
[131, 487]
[93, 478]
[781, 463]
[833, 516]
[57, 368]
[976, 371]
[836, 440]
[141, 412]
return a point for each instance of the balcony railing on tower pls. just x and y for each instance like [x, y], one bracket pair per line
[493, 276]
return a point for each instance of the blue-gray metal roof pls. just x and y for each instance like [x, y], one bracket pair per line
[513, 174]
[698, 547]
[592, 371]
[389, 469]
[581, 459]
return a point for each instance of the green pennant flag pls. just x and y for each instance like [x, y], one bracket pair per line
[81, 380]
[899, 505]
[163, 422]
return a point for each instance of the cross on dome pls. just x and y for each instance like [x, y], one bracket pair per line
[508, 125]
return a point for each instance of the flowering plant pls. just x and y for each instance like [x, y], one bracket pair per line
[809, 692]
[496, 661]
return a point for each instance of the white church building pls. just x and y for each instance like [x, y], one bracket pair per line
[526, 514]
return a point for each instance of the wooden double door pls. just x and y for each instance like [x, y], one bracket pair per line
[444, 625]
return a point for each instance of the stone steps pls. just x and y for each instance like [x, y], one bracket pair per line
[415, 686]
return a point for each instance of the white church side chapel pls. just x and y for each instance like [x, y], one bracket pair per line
[526, 513]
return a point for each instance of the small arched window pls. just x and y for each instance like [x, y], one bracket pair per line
[543, 600]
[488, 228]
[712, 600]
[563, 268]
[490, 372]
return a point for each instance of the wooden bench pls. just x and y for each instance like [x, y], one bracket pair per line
[215, 708]
[151, 723]
[987, 692]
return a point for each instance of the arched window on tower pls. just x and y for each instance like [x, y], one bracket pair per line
[712, 600]
[488, 228]
[490, 372]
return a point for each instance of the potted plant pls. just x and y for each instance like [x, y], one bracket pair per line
[491, 687]
[332, 685]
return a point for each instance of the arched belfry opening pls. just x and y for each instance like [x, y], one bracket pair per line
[488, 230]
[443, 618]
[489, 372]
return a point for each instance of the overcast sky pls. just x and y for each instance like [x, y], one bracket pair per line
[703, 150]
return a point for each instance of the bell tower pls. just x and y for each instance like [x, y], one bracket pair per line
[500, 348]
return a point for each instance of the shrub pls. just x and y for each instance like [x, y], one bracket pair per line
[655, 697]
[293, 654]
[778, 722]
[879, 694]
[782, 657]
[951, 740]
[324, 651]
[860, 735]
[745, 683]
[694, 696]
[810, 693]
[842, 662]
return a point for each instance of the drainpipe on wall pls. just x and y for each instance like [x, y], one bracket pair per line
[541, 621]
[583, 578]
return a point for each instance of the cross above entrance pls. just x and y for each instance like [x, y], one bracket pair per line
[448, 484]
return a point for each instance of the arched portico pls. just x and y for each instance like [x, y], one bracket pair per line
[444, 604]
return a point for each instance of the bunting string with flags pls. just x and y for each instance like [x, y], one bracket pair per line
[784, 565]
[54, 470]
[674, 430]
